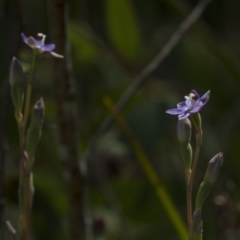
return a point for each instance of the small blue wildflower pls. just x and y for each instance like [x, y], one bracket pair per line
[38, 43]
[192, 104]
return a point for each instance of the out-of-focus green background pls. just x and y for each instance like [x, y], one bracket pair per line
[111, 42]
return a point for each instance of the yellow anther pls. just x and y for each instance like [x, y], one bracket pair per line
[192, 95]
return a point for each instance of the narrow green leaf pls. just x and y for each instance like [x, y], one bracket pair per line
[83, 48]
[122, 27]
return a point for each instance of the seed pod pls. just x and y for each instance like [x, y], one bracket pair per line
[35, 129]
[210, 177]
[16, 80]
[213, 168]
[184, 128]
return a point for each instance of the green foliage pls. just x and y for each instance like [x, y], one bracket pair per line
[122, 27]
[111, 41]
[83, 49]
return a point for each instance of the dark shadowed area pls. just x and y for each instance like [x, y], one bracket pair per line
[108, 44]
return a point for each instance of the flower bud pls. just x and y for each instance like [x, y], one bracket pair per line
[196, 227]
[210, 177]
[203, 191]
[214, 167]
[35, 129]
[16, 80]
[184, 128]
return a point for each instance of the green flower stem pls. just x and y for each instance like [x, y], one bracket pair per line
[29, 88]
[25, 192]
[192, 173]
[197, 151]
[189, 199]
[21, 191]
[28, 204]
[27, 105]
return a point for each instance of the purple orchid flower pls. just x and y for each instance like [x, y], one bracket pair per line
[38, 43]
[192, 104]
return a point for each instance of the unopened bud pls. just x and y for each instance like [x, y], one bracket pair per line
[214, 167]
[186, 150]
[202, 194]
[16, 80]
[184, 128]
[209, 179]
[35, 129]
[196, 227]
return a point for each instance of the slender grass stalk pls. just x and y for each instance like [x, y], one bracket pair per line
[184, 133]
[150, 173]
[192, 173]
[27, 106]
[25, 185]
[189, 200]
[29, 89]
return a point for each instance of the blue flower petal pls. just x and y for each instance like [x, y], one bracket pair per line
[24, 38]
[183, 115]
[39, 43]
[31, 42]
[192, 104]
[196, 109]
[175, 111]
[204, 99]
[48, 47]
[181, 105]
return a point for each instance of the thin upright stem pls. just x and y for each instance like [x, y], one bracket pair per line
[28, 202]
[25, 194]
[189, 199]
[191, 175]
[27, 105]
[21, 183]
[196, 155]
[36, 57]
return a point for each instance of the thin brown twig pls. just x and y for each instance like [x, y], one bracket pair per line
[148, 70]
[68, 121]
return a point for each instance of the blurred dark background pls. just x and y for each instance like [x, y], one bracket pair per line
[111, 42]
